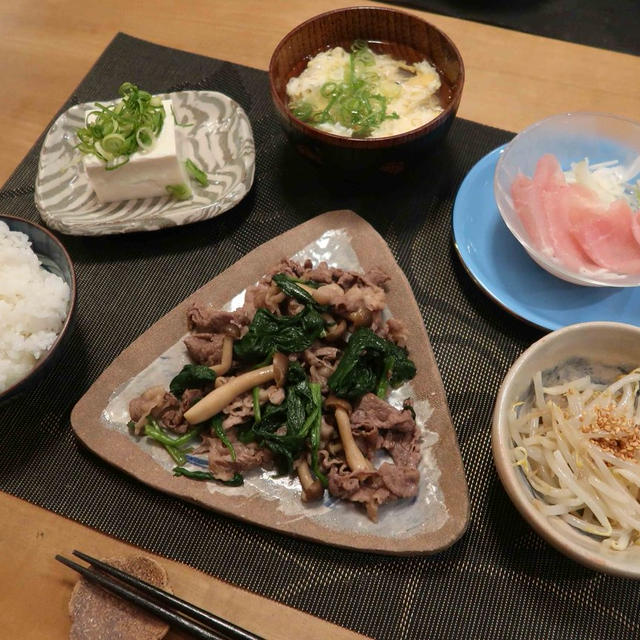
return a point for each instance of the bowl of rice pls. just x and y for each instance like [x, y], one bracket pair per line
[37, 300]
[566, 442]
[366, 88]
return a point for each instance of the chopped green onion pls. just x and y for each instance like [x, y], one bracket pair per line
[328, 89]
[144, 137]
[114, 143]
[354, 103]
[196, 173]
[179, 191]
[113, 133]
[117, 165]
[302, 110]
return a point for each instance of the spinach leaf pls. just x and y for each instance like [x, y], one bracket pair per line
[269, 333]
[368, 362]
[217, 428]
[291, 287]
[192, 376]
[314, 435]
[236, 481]
[300, 413]
[174, 446]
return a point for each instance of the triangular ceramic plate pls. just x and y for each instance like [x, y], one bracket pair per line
[428, 523]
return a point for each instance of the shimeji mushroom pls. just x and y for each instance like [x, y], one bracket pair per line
[219, 398]
[326, 294]
[362, 317]
[335, 330]
[227, 357]
[312, 488]
[355, 459]
[331, 294]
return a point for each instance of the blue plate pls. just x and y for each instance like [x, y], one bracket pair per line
[499, 265]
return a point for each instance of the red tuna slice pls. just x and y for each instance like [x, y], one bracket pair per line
[558, 205]
[635, 226]
[608, 239]
[548, 174]
[530, 200]
[522, 195]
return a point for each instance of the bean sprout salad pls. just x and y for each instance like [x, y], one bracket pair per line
[578, 444]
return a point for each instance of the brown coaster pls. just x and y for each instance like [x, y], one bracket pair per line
[97, 614]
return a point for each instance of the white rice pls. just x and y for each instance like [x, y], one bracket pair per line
[33, 307]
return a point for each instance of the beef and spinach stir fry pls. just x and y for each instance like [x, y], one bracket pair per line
[296, 380]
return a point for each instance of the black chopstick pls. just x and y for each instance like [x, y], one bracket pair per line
[228, 630]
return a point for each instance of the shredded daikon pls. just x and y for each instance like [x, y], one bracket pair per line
[578, 444]
[609, 180]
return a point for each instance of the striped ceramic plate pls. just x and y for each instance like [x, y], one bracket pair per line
[220, 141]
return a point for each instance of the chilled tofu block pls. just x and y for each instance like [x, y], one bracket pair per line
[147, 173]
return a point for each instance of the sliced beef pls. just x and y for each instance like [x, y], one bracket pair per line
[373, 488]
[205, 348]
[377, 425]
[190, 397]
[161, 405]
[140, 407]
[290, 268]
[241, 409]
[403, 447]
[248, 456]
[375, 277]
[356, 298]
[322, 362]
[374, 412]
[401, 481]
[262, 296]
[396, 331]
[322, 273]
[205, 318]
[372, 278]
[347, 279]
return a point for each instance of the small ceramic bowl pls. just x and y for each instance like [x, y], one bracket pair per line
[54, 257]
[571, 137]
[571, 351]
[399, 34]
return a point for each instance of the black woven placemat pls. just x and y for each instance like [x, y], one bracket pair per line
[596, 23]
[499, 581]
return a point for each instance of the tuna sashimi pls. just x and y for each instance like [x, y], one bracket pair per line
[635, 226]
[522, 193]
[609, 239]
[530, 197]
[562, 218]
[574, 224]
[548, 174]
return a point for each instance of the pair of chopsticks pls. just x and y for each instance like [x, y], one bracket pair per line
[177, 612]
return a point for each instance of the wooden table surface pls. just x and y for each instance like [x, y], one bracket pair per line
[46, 48]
